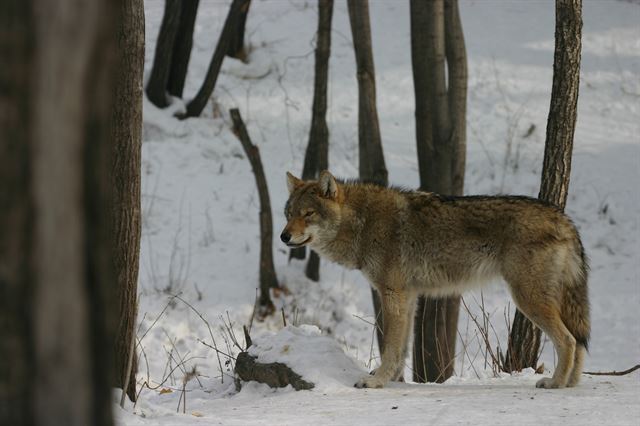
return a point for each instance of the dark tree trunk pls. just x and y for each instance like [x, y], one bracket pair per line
[236, 44]
[436, 37]
[371, 162]
[197, 104]
[524, 341]
[182, 47]
[18, 50]
[316, 158]
[268, 279]
[159, 77]
[371, 157]
[56, 306]
[435, 339]
[126, 134]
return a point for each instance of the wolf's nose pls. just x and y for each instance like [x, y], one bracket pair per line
[285, 237]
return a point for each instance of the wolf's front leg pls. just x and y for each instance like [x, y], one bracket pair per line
[396, 308]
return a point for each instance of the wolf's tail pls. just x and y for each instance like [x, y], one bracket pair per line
[575, 304]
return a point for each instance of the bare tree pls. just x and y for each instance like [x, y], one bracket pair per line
[371, 157]
[236, 44]
[159, 77]
[437, 43]
[268, 278]
[182, 47]
[316, 158]
[57, 306]
[126, 135]
[524, 341]
[197, 104]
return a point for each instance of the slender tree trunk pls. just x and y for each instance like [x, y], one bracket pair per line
[524, 341]
[181, 51]
[316, 157]
[126, 134]
[456, 54]
[197, 104]
[56, 311]
[371, 156]
[436, 37]
[157, 84]
[268, 279]
[236, 44]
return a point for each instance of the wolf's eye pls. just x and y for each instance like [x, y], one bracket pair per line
[309, 213]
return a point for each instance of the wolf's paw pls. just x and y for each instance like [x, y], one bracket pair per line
[548, 383]
[369, 382]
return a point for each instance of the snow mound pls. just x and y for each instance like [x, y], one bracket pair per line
[318, 359]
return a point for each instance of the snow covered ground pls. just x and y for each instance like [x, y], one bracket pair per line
[201, 229]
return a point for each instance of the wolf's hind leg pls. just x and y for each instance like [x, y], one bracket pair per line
[576, 373]
[544, 313]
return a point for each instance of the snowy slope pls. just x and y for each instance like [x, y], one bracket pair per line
[200, 211]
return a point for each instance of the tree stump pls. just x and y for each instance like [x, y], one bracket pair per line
[274, 374]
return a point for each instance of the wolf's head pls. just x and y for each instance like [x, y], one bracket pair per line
[312, 211]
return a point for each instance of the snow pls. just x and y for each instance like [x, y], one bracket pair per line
[200, 218]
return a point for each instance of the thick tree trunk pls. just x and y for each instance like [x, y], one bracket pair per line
[236, 44]
[371, 156]
[434, 340]
[18, 50]
[268, 279]
[126, 134]
[316, 157]
[436, 36]
[56, 311]
[157, 84]
[524, 341]
[197, 104]
[181, 50]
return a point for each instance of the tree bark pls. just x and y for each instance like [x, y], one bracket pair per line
[181, 50]
[456, 55]
[524, 341]
[316, 158]
[159, 77]
[56, 308]
[371, 156]
[268, 279]
[436, 37]
[197, 104]
[126, 137]
[236, 44]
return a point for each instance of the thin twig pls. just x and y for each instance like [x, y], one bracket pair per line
[215, 346]
[612, 373]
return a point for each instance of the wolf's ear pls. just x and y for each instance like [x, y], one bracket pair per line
[328, 185]
[293, 182]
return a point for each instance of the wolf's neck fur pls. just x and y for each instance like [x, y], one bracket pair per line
[350, 246]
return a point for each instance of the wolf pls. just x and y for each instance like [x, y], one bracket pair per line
[412, 243]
